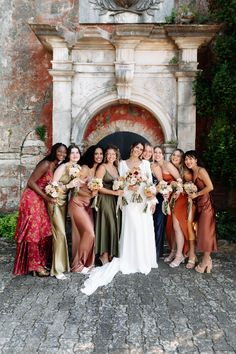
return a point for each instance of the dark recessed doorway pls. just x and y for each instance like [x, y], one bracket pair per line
[123, 140]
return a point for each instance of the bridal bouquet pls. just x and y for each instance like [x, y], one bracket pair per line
[177, 188]
[134, 178]
[189, 188]
[95, 184]
[53, 189]
[165, 189]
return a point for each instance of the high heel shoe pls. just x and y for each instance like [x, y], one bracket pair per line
[61, 276]
[170, 257]
[176, 262]
[40, 273]
[202, 268]
[191, 263]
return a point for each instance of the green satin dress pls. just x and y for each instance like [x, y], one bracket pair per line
[108, 224]
[57, 213]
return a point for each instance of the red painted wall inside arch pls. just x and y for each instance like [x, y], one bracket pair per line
[124, 112]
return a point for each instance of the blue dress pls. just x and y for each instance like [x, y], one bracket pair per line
[159, 224]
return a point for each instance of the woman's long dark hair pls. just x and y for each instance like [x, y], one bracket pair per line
[195, 155]
[133, 146]
[72, 146]
[52, 156]
[88, 157]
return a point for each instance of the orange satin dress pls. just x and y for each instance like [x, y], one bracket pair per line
[206, 224]
[180, 211]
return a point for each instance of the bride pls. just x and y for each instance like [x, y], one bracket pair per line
[137, 241]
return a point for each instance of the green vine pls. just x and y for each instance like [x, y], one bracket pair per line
[41, 130]
[215, 90]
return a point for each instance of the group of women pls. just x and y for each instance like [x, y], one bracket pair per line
[126, 229]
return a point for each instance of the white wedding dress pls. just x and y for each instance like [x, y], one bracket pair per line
[137, 241]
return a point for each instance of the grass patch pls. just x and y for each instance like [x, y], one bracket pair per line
[8, 225]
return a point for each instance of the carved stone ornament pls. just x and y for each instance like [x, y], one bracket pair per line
[134, 6]
[124, 78]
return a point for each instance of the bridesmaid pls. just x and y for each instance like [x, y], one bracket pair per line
[82, 216]
[158, 216]
[147, 152]
[58, 212]
[170, 173]
[206, 227]
[180, 209]
[107, 222]
[33, 232]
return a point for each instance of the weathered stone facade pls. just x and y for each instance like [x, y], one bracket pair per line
[85, 69]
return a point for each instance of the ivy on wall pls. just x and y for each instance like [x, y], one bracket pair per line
[215, 90]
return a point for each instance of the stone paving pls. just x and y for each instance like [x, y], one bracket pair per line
[168, 311]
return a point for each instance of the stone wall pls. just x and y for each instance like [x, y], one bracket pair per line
[26, 88]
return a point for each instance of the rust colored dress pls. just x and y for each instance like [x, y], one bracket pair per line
[83, 236]
[33, 231]
[206, 225]
[180, 211]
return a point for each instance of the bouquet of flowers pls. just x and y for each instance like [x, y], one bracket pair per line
[95, 184]
[177, 188]
[135, 178]
[189, 188]
[150, 192]
[74, 170]
[53, 189]
[119, 184]
[165, 189]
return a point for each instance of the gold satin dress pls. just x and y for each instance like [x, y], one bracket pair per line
[57, 213]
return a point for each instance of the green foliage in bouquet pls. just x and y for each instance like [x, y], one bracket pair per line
[8, 225]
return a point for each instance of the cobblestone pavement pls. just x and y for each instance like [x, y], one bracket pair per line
[168, 311]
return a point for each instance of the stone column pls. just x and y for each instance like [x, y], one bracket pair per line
[62, 74]
[186, 110]
[188, 39]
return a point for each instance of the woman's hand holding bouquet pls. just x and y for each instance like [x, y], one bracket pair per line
[165, 189]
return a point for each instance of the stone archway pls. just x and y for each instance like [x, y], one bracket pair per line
[123, 118]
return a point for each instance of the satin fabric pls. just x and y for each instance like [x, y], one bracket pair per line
[108, 224]
[206, 225]
[159, 225]
[180, 211]
[33, 231]
[58, 212]
[83, 236]
[137, 241]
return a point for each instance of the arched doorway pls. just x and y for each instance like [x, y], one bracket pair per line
[123, 140]
[121, 125]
